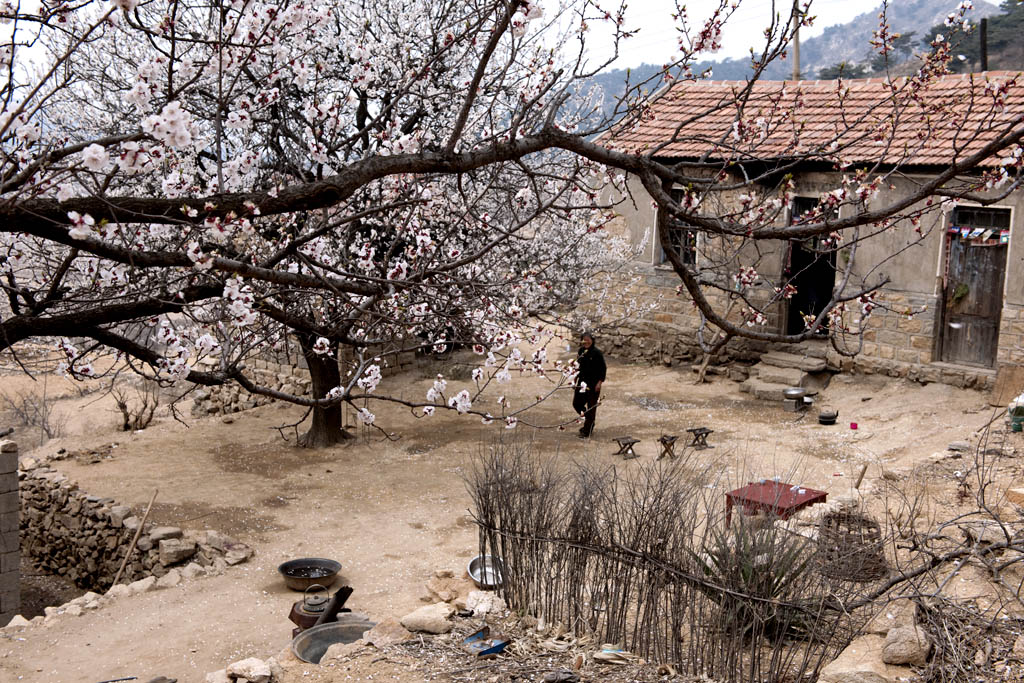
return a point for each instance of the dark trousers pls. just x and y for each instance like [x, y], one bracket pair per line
[585, 402]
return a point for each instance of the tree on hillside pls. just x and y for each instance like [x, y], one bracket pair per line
[842, 70]
[180, 180]
[902, 49]
[1004, 31]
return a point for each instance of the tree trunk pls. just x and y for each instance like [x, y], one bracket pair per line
[326, 428]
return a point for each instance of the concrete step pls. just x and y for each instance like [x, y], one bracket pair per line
[790, 360]
[791, 377]
[767, 391]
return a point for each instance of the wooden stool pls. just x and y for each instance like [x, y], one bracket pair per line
[700, 438]
[668, 446]
[626, 444]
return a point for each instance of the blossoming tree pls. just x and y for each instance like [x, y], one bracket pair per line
[181, 179]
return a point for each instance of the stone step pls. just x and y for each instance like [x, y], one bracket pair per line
[767, 391]
[811, 348]
[790, 360]
[791, 377]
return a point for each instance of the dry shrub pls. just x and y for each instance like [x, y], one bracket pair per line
[137, 410]
[643, 558]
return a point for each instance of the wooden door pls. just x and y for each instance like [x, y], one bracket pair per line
[974, 302]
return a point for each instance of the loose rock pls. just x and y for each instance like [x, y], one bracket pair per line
[429, 619]
[252, 669]
[907, 645]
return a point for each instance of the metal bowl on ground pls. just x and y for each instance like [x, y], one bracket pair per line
[485, 570]
[794, 393]
[311, 644]
[304, 572]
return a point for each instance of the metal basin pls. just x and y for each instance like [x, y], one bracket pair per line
[304, 572]
[794, 392]
[485, 570]
[311, 644]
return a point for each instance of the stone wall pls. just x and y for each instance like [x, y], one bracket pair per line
[84, 538]
[1011, 335]
[10, 579]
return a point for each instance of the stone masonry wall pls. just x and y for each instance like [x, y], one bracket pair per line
[1011, 335]
[84, 538]
[10, 580]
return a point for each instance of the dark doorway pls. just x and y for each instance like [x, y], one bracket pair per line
[811, 268]
[975, 270]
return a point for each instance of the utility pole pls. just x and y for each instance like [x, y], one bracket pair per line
[796, 40]
[984, 44]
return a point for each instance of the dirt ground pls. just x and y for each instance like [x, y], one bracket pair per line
[395, 511]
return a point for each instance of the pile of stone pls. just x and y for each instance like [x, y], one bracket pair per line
[84, 538]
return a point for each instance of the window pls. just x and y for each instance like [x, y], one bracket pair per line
[682, 237]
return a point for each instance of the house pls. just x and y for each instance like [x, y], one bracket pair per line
[952, 304]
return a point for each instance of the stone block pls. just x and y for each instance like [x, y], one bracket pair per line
[8, 446]
[9, 464]
[9, 502]
[161, 533]
[9, 562]
[175, 550]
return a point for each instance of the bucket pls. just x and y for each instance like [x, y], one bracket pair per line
[1016, 423]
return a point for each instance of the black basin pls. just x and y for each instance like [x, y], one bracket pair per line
[304, 572]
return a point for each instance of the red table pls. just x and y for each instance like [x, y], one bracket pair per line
[776, 497]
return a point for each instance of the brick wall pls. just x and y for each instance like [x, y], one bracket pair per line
[10, 598]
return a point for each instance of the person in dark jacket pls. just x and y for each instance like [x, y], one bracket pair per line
[591, 377]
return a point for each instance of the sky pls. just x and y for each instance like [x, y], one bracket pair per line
[656, 42]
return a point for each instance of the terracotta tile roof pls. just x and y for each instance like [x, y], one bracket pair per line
[870, 120]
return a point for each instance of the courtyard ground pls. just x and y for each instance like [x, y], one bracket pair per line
[393, 511]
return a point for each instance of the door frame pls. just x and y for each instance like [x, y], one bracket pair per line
[941, 270]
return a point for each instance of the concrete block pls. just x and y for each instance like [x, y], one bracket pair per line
[9, 502]
[8, 463]
[8, 446]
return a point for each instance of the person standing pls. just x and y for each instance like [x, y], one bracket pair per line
[591, 377]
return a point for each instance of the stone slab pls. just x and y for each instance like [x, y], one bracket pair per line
[791, 377]
[791, 360]
[767, 391]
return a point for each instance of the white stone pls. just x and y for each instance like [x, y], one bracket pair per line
[73, 610]
[8, 446]
[192, 570]
[430, 618]
[17, 621]
[485, 602]
[51, 611]
[119, 591]
[218, 677]
[252, 669]
[169, 580]
[142, 585]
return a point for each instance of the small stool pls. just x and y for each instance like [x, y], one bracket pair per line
[668, 446]
[626, 444]
[700, 438]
